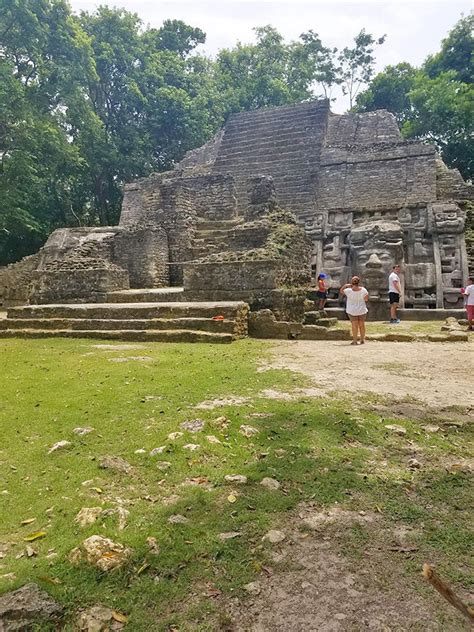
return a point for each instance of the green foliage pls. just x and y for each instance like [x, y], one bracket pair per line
[87, 103]
[357, 64]
[433, 102]
[457, 52]
[389, 90]
[442, 112]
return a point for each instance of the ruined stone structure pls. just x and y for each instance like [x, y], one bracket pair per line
[276, 193]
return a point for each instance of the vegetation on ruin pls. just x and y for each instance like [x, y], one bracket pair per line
[91, 101]
[326, 451]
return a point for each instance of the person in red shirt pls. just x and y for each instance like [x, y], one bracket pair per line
[322, 292]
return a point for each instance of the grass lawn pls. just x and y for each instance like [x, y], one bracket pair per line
[322, 450]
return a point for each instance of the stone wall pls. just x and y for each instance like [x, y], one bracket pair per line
[144, 253]
[17, 281]
[73, 286]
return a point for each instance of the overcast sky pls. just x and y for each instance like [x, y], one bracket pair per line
[414, 28]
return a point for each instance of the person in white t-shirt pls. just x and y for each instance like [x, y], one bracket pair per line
[394, 291]
[356, 307]
[468, 294]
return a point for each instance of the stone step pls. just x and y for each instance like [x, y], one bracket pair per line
[147, 295]
[176, 335]
[274, 138]
[210, 233]
[223, 224]
[81, 324]
[234, 310]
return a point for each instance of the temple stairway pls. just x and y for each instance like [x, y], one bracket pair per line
[213, 236]
[284, 143]
[141, 321]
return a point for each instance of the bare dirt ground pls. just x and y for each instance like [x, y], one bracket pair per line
[436, 374]
[322, 590]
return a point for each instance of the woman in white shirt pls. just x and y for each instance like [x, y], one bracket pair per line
[356, 307]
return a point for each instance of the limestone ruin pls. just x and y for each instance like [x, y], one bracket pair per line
[276, 196]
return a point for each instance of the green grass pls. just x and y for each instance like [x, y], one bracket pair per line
[50, 387]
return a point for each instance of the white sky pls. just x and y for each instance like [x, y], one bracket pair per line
[414, 28]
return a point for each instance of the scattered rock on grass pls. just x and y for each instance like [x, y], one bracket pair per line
[88, 515]
[159, 450]
[140, 451]
[99, 619]
[270, 483]
[123, 515]
[163, 465]
[152, 545]
[213, 439]
[175, 435]
[274, 536]
[414, 464]
[115, 463]
[191, 446]
[253, 588]
[222, 422]
[103, 553]
[196, 425]
[240, 479]
[60, 445]
[83, 431]
[431, 429]
[248, 431]
[217, 403]
[400, 430]
[177, 519]
[229, 535]
[22, 608]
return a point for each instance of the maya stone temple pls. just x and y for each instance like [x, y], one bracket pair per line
[240, 228]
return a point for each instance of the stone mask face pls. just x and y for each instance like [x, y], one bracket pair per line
[382, 238]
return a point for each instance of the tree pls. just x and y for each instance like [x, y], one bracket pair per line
[262, 74]
[315, 63]
[357, 64]
[43, 56]
[442, 113]
[389, 90]
[456, 53]
[87, 103]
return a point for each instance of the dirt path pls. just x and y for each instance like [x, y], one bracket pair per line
[436, 374]
[321, 590]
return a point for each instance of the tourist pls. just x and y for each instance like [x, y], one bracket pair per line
[394, 291]
[356, 307]
[322, 292]
[468, 294]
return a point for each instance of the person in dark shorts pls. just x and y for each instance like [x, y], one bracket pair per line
[322, 292]
[394, 291]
